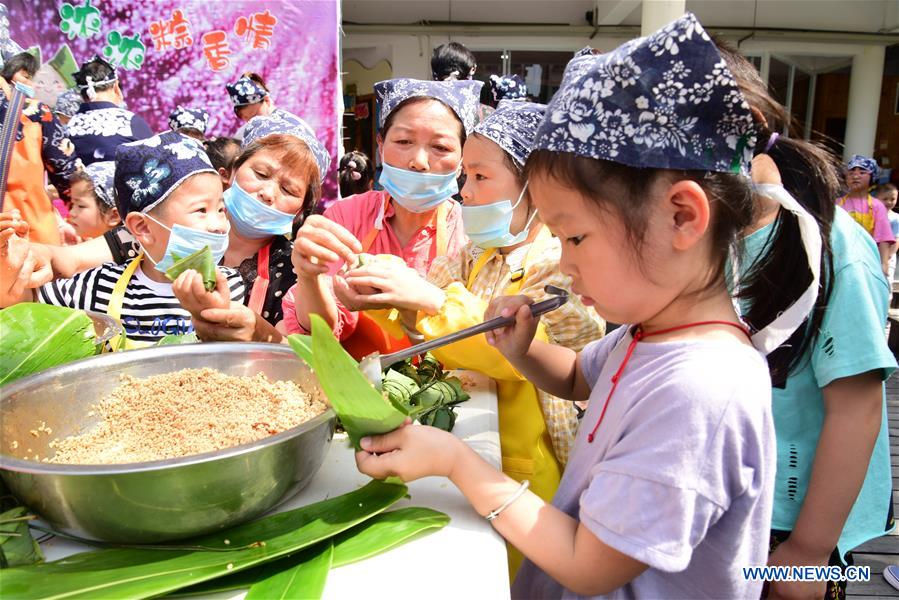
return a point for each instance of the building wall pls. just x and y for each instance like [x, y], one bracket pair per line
[831, 105]
[886, 145]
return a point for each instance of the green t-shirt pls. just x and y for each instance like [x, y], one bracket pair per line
[852, 341]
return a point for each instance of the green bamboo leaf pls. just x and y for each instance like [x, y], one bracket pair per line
[34, 337]
[143, 573]
[175, 339]
[302, 346]
[377, 535]
[305, 580]
[200, 261]
[361, 408]
[17, 547]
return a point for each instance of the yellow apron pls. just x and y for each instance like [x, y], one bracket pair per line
[526, 445]
[114, 310]
[865, 219]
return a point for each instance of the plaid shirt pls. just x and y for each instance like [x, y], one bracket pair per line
[573, 325]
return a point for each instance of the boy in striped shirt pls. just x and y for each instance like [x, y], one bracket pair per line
[170, 199]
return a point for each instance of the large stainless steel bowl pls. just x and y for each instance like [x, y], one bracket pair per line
[161, 500]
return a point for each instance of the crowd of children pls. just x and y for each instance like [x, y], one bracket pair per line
[737, 419]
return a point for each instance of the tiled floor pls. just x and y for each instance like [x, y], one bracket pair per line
[882, 551]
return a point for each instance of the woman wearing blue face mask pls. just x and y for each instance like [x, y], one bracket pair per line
[275, 181]
[423, 127]
[510, 252]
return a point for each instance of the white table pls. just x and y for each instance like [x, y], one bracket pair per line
[465, 559]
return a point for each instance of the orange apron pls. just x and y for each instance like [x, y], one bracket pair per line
[25, 188]
[368, 336]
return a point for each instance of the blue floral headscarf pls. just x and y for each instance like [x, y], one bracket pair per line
[102, 176]
[513, 126]
[283, 122]
[245, 91]
[667, 101]
[865, 163]
[193, 118]
[462, 97]
[508, 88]
[148, 171]
[68, 103]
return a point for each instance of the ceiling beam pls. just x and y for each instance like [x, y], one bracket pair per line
[478, 29]
[614, 14]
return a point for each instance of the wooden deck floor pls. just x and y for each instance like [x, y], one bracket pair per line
[883, 551]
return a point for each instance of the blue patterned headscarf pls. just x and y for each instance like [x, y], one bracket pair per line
[513, 126]
[8, 47]
[864, 163]
[508, 88]
[245, 91]
[148, 171]
[462, 97]
[283, 122]
[667, 101]
[102, 176]
[192, 118]
[68, 103]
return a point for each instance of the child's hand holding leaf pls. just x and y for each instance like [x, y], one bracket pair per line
[191, 291]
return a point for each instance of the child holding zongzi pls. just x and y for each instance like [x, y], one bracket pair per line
[510, 252]
[170, 199]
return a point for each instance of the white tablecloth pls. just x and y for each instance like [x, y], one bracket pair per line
[465, 559]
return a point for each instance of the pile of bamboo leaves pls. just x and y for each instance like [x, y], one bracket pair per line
[286, 555]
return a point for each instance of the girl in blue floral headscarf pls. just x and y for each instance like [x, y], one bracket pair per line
[640, 170]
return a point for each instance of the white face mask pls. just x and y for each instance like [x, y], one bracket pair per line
[770, 337]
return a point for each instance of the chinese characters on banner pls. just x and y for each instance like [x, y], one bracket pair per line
[80, 21]
[85, 21]
[172, 52]
[256, 30]
[171, 33]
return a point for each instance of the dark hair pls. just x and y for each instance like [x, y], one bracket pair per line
[80, 175]
[452, 59]
[296, 155]
[883, 188]
[257, 78]
[23, 61]
[388, 123]
[98, 70]
[624, 191]
[510, 163]
[813, 177]
[355, 174]
[222, 151]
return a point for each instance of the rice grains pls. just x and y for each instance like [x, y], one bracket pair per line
[186, 412]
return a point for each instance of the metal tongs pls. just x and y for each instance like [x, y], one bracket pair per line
[374, 364]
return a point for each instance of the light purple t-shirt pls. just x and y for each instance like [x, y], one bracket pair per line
[680, 475]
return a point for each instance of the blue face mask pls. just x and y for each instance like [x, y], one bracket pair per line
[487, 226]
[418, 192]
[254, 219]
[184, 241]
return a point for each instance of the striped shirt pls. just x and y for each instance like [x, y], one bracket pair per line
[150, 310]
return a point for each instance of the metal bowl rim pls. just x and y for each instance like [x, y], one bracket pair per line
[19, 465]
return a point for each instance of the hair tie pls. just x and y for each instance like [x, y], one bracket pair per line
[91, 92]
[771, 141]
[351, 164]
[355, 175]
